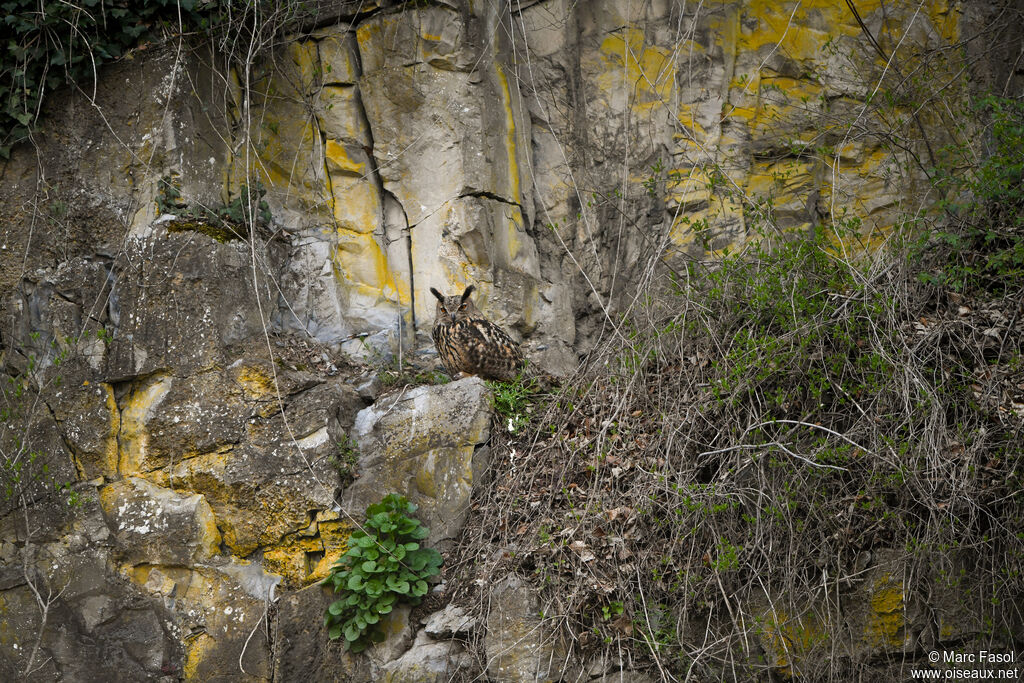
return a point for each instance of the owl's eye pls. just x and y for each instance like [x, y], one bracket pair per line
[462, 307]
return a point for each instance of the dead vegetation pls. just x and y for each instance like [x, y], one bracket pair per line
[756, 433]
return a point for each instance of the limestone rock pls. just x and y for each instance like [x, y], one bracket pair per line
[107, 627]
[424, 443]
[219, 608]
[451, 622]
[429, 661]
[519, 647]
[155, 525]
[304, 652]
[193, 299]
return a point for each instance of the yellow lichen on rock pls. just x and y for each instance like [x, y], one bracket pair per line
[305, 560]
[886, 619]
[514, 191]
[786, 186]
[788, 639]
[647, 70]
[291, 559]
[111, 459]
[346, 158]
[300, 65]
[256, 382]
[136, 409]
[360, 262]
[197, 648]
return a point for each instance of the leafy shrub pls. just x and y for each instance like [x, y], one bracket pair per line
[982, 244]
[385, 566]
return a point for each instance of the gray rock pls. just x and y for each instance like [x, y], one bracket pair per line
[304, 652]
[519, 646]
[424, 443]
[154, 525]
[370, 388]
[428, 661]
[451, 622]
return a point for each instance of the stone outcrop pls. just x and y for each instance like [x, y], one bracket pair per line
[520, 646]
[187, 389]
[429, 444]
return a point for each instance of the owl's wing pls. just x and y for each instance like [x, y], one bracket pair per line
[487, 350]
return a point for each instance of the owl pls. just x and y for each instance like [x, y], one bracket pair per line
[469, 343]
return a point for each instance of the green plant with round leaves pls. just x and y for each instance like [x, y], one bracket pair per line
[383, 567]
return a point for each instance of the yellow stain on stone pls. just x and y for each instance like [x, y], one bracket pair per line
[510, 136]
[426, 476]
[721, 209]
[685, 116]
[209, 535]
[338, 61]
[945, 19]
[790, 638]
[689, 188]
[133, 436]
[648, 69]
[305, 58]
[786, 183]
[284, 150]
[334, 533]
[256, 382]
[197, 649]
[359, 260]
[355, 204]
[513, 243]
[111, 449]
[366, 34]
[339, 159]
[741, 113]
[289, 559]
[886, 619]
[787, 31]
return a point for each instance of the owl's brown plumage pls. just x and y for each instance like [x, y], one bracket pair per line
[470, 343]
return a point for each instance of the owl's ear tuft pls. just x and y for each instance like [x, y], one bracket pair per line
[469, 290]
[437, 294]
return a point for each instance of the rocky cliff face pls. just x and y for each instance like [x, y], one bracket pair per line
[191, 390]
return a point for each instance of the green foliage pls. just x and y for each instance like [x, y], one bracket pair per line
[982, 246]
[345, 459]
[384, 567]
[514, 401]
[768, 415]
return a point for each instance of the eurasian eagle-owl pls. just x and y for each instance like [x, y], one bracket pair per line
[469, 343]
